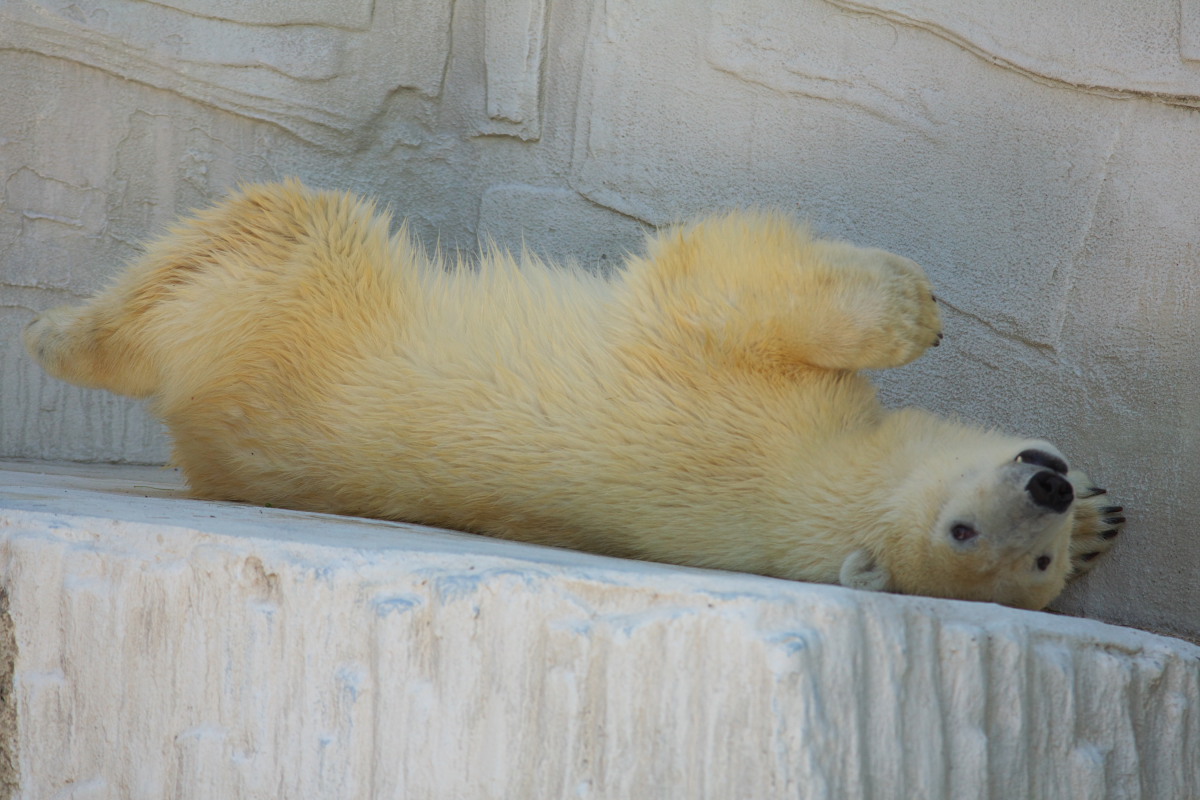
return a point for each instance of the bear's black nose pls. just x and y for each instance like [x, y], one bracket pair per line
[1050, 490]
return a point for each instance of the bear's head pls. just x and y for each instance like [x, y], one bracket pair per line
[989, 518]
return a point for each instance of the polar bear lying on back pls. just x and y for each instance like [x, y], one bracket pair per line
[704, 407]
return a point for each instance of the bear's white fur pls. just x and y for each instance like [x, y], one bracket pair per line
[702, 407]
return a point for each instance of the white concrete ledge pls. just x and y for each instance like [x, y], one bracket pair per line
[162, 647]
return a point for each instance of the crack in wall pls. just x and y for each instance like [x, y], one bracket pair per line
[999, 330]
[1088, 225]
[1168, 98]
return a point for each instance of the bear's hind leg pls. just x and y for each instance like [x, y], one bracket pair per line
[90, 346]
[213, 273]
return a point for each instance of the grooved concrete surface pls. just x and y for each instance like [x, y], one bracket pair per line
[1037, 158]
[173, 648]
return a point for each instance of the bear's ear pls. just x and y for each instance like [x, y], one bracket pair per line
[860, 570]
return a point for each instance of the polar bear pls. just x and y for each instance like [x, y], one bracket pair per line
[704, 406]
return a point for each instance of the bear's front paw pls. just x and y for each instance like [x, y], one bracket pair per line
[908, 320]
[1098, 522]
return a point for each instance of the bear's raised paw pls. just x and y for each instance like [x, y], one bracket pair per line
[891, 305]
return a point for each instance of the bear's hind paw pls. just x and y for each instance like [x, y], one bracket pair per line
[50, 339]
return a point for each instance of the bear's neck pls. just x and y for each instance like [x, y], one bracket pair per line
[868, 472]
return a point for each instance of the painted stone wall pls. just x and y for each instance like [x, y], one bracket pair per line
[164, 648]
[1039, 161]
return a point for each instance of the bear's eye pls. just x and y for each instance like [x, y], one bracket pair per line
[1043, 562]
[1042, 459]
[963, 532]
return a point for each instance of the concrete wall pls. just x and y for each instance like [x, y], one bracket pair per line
[160, 647]
[1039, 161]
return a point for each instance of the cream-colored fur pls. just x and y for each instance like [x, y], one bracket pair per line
[703, 407]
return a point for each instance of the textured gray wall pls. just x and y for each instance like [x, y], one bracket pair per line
[211, 651]
[1039, 161]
